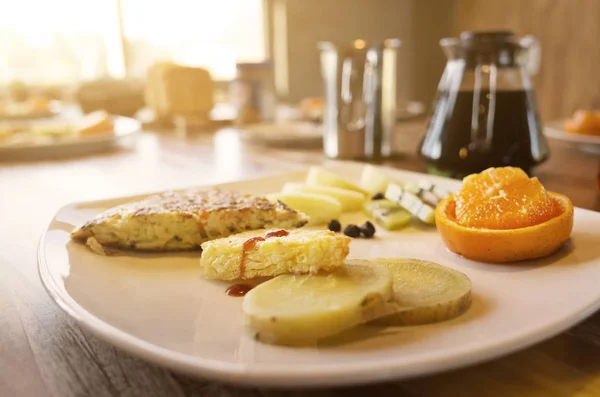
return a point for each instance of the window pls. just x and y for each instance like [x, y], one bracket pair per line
[208, 33]
[52, 45]
[66, 41]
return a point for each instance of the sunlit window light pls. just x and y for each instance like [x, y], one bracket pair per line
[67, 41]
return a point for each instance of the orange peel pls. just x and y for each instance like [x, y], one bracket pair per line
[505, 245]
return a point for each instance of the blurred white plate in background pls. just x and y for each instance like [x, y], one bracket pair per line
[45, 146]
[586, 143]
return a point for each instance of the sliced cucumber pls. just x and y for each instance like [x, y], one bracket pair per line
[427, 214]
[426, 190]
[373, 205]
[440, 192]
[426, 184]
[411, 202]
[388, 214]
[394, 192]
[412, 187]
[392, 218]
[430, 198]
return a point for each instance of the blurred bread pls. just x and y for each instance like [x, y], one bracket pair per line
[175, 90]
[122, 97]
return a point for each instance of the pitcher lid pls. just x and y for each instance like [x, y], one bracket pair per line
[487, 39]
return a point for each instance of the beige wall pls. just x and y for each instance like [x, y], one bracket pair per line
[311, 21]
[434, 20]
[418, 23]
[569, 32]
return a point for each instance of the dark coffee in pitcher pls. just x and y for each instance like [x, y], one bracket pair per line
[517, 138]
[485, 114]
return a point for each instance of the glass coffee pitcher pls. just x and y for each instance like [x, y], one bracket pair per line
[485, 114]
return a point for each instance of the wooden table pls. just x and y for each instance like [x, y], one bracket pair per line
[44, 353]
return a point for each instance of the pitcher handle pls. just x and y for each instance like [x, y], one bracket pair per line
[481, 138]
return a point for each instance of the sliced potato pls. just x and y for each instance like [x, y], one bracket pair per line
[349, 199]
[425, 292]
[320, 208]
[322, 177]
[373, 180]
[302, 309]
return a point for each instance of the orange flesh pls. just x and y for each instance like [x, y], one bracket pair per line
[501, 199]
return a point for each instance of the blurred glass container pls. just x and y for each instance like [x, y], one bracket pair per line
[360, 99]
[252, 92]
[485, 113]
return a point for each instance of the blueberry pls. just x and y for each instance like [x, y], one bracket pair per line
[334, 225]
[352, 231]
[368, 230]
[370, 227]
[378, 196]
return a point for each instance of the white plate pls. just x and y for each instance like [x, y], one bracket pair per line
[69, 146]
[587, 143]
[159, 308]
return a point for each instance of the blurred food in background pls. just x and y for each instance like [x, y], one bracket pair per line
[312, 108]
[122, 97]
[21, 102]
[49, 130]
[94, 123]
[584, 122]
[248, 62]
[18, 91]
[174, 91]
[30, 108]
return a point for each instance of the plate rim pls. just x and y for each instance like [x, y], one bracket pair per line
[275, 375]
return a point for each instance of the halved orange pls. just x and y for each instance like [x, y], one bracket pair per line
[503, 198]
[505, 245]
